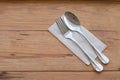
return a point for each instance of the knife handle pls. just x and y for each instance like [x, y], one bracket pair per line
[100, 55]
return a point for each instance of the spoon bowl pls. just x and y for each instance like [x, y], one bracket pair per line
[72, 18]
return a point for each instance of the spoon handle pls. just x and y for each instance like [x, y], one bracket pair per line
[96, 65]
[100, 55]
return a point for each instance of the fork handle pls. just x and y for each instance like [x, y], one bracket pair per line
[100, 55]
[97, 66]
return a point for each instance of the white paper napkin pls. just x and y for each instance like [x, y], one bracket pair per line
[84, 44]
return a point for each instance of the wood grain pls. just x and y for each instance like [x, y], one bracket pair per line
[21, 49]
[29, 52]
[59, 76]
[40, 15]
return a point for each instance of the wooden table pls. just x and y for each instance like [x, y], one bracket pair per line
[29, 52]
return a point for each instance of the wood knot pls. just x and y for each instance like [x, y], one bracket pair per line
[12, 54]
[69, 55]
[24, 34]
[3, 73]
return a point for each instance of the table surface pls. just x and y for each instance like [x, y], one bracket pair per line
[28, 51]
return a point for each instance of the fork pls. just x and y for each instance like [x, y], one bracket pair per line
[68, 35]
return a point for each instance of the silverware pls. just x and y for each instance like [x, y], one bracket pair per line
[73, 23]
[68, 35]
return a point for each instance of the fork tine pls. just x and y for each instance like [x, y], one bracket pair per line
[64, 26]
[60, 26]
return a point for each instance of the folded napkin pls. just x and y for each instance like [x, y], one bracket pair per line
[82, 41]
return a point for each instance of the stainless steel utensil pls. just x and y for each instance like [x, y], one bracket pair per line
[73, 23]
[68, 35]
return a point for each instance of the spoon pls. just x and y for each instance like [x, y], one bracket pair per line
[73, 23]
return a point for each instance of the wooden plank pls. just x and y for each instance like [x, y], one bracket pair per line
[59, 76]
[39, 15]
[40, 51]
